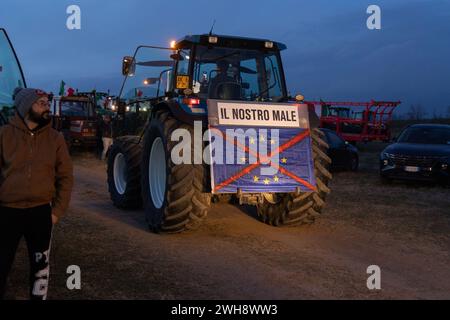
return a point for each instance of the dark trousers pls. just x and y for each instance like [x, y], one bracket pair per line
[35, 224]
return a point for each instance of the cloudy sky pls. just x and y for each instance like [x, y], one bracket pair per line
[331, 53]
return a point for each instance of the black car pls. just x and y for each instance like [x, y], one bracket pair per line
[421, 152]
[343, 155]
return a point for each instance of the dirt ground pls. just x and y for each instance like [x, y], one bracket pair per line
[403, 228]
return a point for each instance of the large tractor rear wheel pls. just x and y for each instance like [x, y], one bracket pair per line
[174, 195]
[304, 207]
[124, 172]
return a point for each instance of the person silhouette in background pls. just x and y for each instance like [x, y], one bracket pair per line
[107, 135]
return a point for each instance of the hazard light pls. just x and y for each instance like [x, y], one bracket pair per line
[299, 97]
[191, 101]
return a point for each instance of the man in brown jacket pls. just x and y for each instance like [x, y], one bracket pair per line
[36, 179]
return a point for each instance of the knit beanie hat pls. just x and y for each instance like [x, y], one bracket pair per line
[24, 99]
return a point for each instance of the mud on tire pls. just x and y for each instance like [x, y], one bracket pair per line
[292, 208]
[174, 196]
[124, 172]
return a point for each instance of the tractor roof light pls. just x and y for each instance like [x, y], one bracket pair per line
[173, 44]
[268, 44]
[212, 39]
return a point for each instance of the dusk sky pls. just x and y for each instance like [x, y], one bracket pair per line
[331, 53]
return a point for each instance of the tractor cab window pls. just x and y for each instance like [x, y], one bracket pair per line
[359, 115]
[182, 71]
[339, 112]
[183, 63]
[237, 74]
[76, 109]
[73, 108]
[272, 76]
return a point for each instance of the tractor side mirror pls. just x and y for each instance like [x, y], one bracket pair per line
[128, 66]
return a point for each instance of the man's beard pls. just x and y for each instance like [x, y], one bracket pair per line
[41, 119]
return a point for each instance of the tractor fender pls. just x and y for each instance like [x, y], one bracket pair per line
[179, 113]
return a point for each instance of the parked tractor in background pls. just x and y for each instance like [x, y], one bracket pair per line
[76, 117]
[11, 76]
[208, 86]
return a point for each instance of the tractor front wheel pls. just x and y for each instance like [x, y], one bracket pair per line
[174, 195]
[124, 172]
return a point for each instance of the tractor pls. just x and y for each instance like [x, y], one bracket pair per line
[11, 76]
[227, 95]
[75, 116]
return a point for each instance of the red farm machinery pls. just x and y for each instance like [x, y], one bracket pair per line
[357, 121]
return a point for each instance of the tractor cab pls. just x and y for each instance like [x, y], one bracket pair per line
[198, 68]
[75, 116]
[230, 69]
[11, 76]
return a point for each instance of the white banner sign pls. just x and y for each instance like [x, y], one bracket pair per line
[264, 115]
